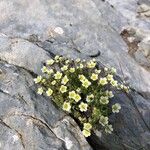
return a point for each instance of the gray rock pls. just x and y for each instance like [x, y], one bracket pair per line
[129, 9]
[131, 125]
[138, 41]
[22, 53]
[29, 121]
[86, 32]
[32, 32]
[144, 45]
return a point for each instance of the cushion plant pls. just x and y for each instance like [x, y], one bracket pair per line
[82, 89]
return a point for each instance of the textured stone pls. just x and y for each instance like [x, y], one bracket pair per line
[85, 29]
[131, 125]
[22, 53]
[33, 31]
[29, 121]
[139, 23]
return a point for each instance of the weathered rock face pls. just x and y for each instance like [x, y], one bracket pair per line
[131, 125]
[29, 121]
[137, 34]
[91, 27]
[33, 31]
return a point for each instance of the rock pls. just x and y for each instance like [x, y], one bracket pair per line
[138, 27]
[144, 2]
[86, 32]
[29, 121]
[144, 10]
[22, 53]
[132, 7]
[131, 125]
[144, 46]
[138, 44]
[32, 32]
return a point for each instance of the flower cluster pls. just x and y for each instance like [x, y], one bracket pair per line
[81, 89]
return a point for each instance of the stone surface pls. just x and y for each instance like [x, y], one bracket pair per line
[138, 26]
[86, 29]
[131, 125]
[33, 31]
[29, 121]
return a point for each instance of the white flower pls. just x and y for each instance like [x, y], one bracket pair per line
[89, 97]
[86, 133]
[86, 83]
[44, 69]
[82, 78]
[72, 70]
[57, 57]
[63, 89]
[58, 75]
[103, 81]
[103, 120]
[104, 100]
[49, 72]
[91, 64]
[83, 106]
[64, 68]
[106, 69]
[38, 79]
[116, 108]
[108, 129]
[114, 83]
[72, 94]
[109, 77]
[40, 91]
[66, 106]
[94, 76]
[67, 61]
[50, 62]
[53, 82]
[49, 92]
[97, 71]
[78, 60]
[87, 126]
[65, 80]
[109, 94]
[113, 70]
[81, 66]
[77, 97]
[78, 90]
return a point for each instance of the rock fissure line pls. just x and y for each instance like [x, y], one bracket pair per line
[18, 133]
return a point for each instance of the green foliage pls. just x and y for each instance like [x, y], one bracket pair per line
[81, 89]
